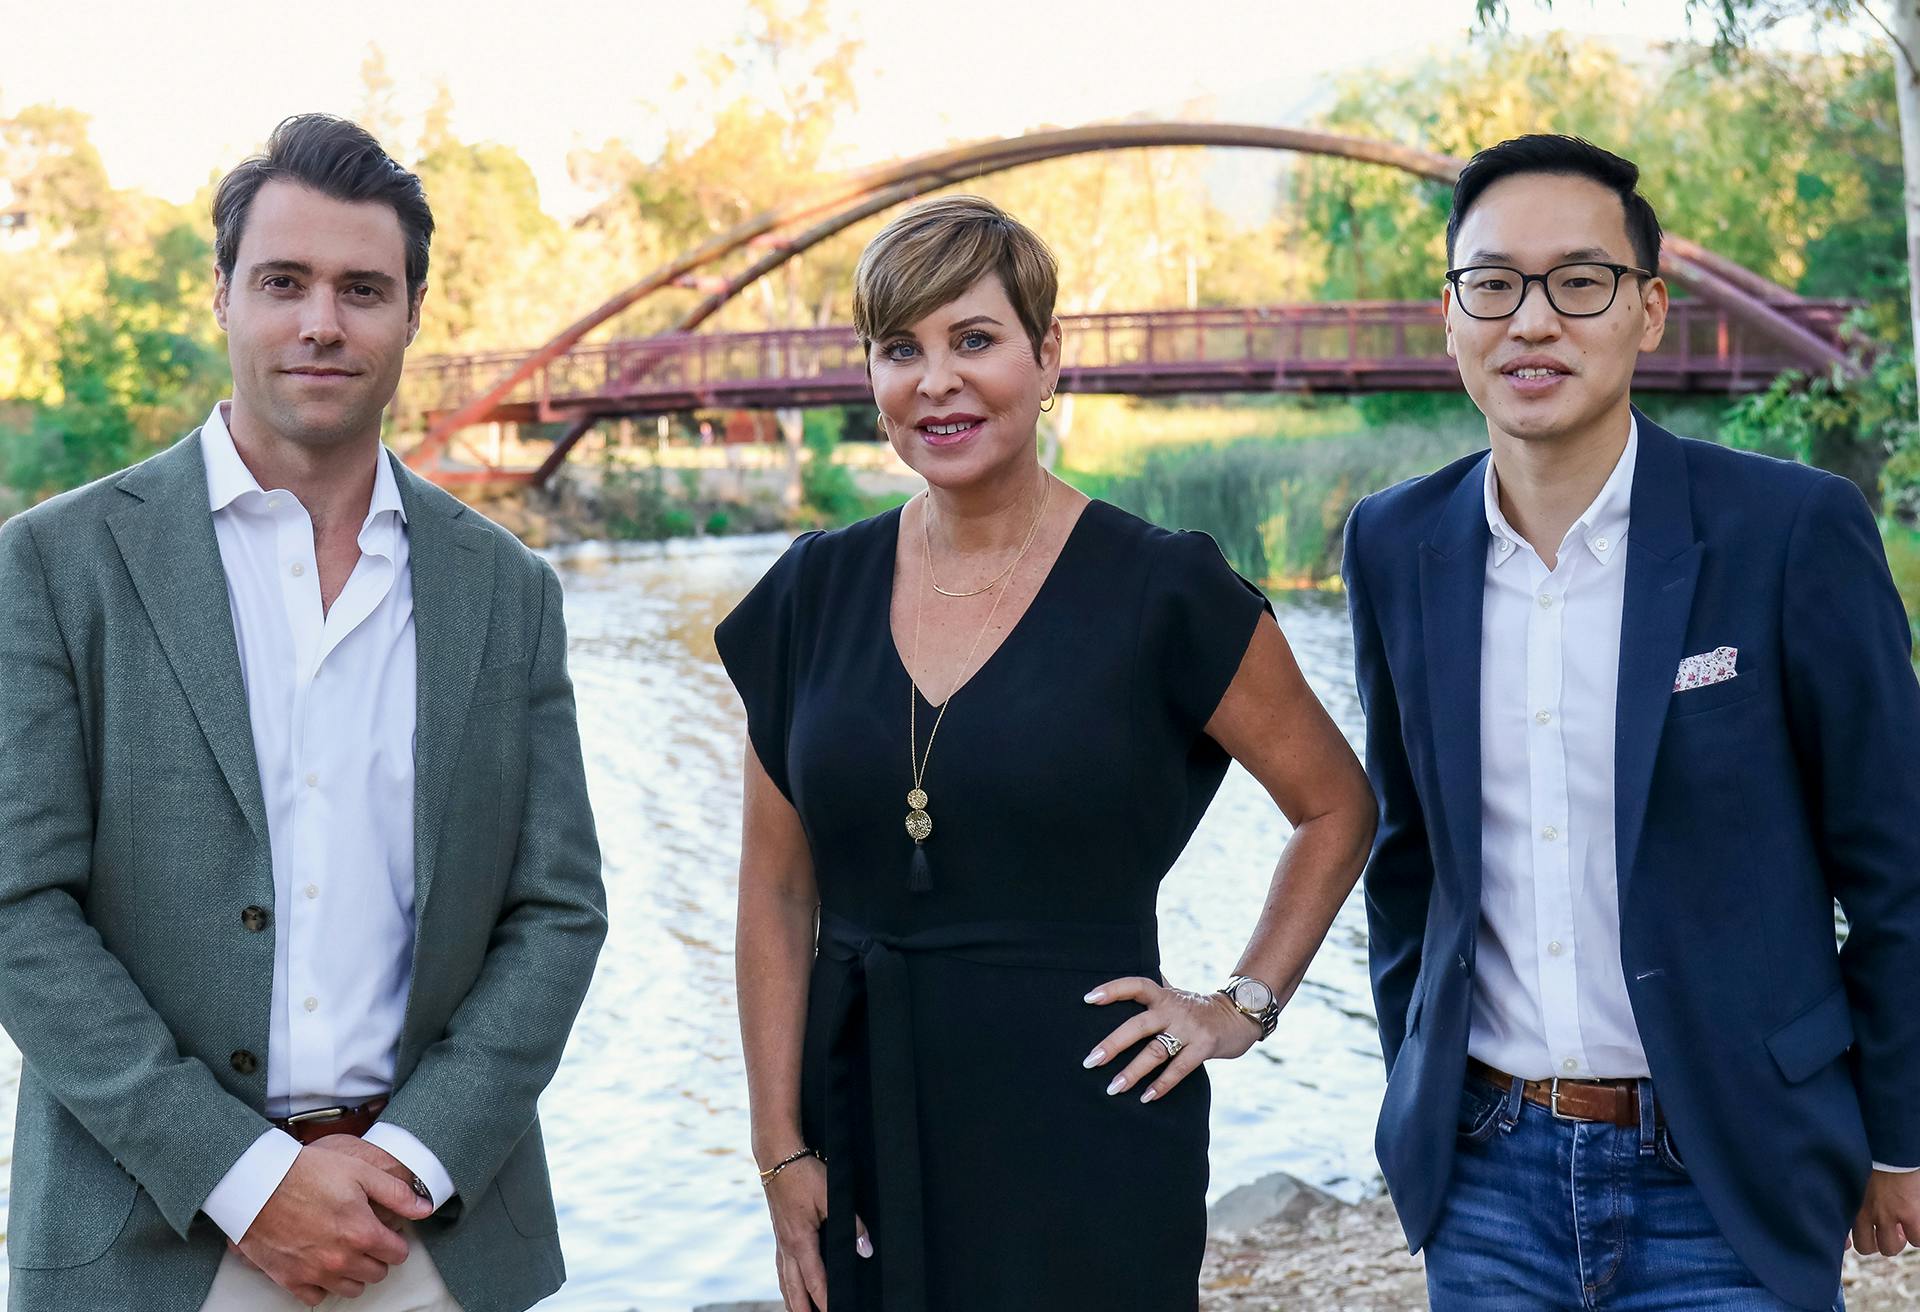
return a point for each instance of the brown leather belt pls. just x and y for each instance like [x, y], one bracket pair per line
[323, 1121]
[1611, 1102]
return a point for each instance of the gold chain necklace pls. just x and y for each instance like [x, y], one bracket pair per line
[919, 822]
[926, 534]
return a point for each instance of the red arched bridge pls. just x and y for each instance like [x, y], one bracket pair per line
[1735, 333]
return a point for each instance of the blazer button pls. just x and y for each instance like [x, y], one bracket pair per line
[245, 1062]
[254, 918]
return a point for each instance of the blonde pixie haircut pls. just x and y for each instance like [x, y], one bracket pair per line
[938, 249]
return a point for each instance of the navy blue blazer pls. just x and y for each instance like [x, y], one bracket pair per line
[1743, 809]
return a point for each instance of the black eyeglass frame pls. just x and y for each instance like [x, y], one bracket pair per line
[1527, 280]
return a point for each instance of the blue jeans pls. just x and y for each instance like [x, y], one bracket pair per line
[1575, 1216]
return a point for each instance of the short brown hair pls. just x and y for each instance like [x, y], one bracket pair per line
[938, 249]
[335, 158]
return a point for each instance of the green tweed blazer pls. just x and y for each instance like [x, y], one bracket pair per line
[132, 835]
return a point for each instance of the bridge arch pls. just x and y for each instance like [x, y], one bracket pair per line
[1749, 299]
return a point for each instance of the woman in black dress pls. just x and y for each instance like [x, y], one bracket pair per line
[980, 729]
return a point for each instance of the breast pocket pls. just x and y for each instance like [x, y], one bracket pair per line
[1748, 682]
[500, 683]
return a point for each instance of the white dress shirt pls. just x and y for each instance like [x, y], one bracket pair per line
[331, 697]
[1550, 995]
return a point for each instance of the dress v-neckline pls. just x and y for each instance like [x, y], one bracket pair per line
[893, 566]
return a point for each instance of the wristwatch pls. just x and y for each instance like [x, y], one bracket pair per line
[1253, 1000]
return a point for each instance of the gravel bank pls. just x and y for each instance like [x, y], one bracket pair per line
[1327, 1256]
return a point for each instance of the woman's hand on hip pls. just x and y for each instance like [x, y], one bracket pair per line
[1204, 1026]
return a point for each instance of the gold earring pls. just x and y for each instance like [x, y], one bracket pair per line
[1047, 406]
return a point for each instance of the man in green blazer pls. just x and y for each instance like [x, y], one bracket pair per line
[299, 888]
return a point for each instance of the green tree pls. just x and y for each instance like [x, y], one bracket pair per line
[1783, 166]
[133, 374]
[492, 243]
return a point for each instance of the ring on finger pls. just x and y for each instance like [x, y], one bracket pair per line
[1171, 1044]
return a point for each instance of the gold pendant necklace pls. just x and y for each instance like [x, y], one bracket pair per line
[919, 821]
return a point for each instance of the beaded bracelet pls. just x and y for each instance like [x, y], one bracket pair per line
[766, 1176]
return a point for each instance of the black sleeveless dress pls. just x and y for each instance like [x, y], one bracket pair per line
[945, 1029]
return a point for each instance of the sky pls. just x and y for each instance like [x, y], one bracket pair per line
[178, 92]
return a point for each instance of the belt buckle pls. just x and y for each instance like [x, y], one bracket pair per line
[1553, 1104]
[318, 1116]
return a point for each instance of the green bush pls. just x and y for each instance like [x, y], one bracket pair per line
[1860, 426]
[636, 502]
[827, 489]
[1903, 557]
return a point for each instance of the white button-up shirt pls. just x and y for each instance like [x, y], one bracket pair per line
[1550, 995]
[331, 698]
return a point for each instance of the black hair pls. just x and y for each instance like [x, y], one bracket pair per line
[336, 158]
[1545, 152]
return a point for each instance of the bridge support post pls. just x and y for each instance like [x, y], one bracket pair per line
[793, 431]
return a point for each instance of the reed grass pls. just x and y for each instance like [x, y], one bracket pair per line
[1278, 508]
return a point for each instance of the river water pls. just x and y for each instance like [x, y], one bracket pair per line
[646, 1122]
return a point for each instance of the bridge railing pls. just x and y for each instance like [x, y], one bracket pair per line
[1337, 346]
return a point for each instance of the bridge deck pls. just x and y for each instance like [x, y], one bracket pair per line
[1367, 346]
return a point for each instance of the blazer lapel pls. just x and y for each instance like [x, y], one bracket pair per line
[167, 541]
[1663, 564]
[1453, 565]
[451, 561]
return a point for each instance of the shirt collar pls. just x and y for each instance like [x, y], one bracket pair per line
[1602, 526]
[229, 479]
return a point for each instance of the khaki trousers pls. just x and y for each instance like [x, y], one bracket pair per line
[413, 1286]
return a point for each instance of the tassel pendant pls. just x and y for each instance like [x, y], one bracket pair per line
[919, 829]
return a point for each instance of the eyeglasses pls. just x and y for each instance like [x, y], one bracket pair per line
[1578, 291]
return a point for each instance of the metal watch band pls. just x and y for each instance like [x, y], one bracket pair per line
[1267, 1018]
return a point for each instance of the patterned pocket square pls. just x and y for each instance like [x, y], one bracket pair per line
[1716, 666]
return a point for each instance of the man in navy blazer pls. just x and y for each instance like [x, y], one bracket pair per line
[1639, 711]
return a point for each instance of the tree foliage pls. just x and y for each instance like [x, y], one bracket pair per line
[131, 373]
[1790, 166]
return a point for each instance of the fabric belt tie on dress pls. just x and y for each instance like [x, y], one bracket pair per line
[876, 978]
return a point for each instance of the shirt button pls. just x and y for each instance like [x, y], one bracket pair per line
[312, 1004]
[299, 569]
[312, 890]
[1546, 601]
[273, 503]
[1553, 948]
[1505, 546]
[1549, 833]
[1543, 717]
[1570, 1065]
[1600, 544]
[313, 780]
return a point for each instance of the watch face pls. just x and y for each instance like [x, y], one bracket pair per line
[1252, 995]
